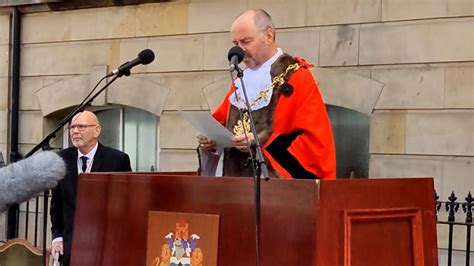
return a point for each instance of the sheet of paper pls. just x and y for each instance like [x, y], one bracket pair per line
[209, 127]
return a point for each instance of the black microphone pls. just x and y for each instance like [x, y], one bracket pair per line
[27, 178]
[235, 56]
[144, 57]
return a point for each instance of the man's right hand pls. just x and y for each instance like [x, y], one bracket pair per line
[57, 246]
[205, 143]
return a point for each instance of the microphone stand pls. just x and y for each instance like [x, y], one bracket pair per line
[257, 161]
[44, 144]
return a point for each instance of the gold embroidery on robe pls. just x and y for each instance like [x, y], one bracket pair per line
[240, 128]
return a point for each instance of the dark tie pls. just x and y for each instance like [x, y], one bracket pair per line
[84, 163]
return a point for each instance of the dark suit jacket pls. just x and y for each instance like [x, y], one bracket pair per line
[63, 201]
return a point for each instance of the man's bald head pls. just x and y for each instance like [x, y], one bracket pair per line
[261, 19]
[254, 32]
[88, 116]
[84, 131]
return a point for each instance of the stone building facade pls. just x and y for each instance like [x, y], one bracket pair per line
[407, 64]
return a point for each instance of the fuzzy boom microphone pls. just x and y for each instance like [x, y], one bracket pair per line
[27, 178]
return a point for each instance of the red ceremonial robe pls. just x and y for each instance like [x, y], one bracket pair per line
[301, 125]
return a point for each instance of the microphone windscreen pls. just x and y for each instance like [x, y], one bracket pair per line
[146, 56]
[236, 50]
[27, 178]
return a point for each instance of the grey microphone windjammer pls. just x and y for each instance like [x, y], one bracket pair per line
[27, 178]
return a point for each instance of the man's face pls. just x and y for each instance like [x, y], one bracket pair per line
[256, 43]
[84, 131]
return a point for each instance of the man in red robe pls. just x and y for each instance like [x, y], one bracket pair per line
[289, 114]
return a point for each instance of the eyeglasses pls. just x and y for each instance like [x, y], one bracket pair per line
[80, 127]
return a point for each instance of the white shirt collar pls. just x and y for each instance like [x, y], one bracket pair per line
[89, 155]
[255, 81]
[90, 159]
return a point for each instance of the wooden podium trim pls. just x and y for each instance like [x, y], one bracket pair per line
[385, 215]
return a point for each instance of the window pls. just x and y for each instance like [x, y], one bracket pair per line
[351, 135]
[133, 131]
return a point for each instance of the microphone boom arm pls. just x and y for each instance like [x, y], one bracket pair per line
[44, 144]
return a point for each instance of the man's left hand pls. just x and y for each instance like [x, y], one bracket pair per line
[240, 142]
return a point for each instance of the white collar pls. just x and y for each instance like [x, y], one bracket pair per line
[257, 82]
[89, 155]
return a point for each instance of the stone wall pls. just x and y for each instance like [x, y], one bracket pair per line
[4, 59]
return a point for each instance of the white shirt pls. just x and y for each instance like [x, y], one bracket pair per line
[90, 159]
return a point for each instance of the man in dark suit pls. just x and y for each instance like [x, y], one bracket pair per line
[87, 155]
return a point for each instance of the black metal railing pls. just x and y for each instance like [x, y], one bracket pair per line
[32, 223]
[452, 208]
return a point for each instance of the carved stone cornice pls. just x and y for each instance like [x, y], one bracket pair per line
[32, 6]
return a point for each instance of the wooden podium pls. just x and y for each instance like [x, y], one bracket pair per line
[303, 222]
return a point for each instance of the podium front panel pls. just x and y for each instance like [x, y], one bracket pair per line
[112, 216]
[387, 222]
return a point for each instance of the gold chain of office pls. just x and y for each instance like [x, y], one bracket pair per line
[244, 125]
[280, 79]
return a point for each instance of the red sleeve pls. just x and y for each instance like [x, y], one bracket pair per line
[305, 111]
[222, 111]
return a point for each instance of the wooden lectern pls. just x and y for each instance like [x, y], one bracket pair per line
[303, 222]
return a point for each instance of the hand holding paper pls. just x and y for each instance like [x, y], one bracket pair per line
[209, 127]
[205, 143]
